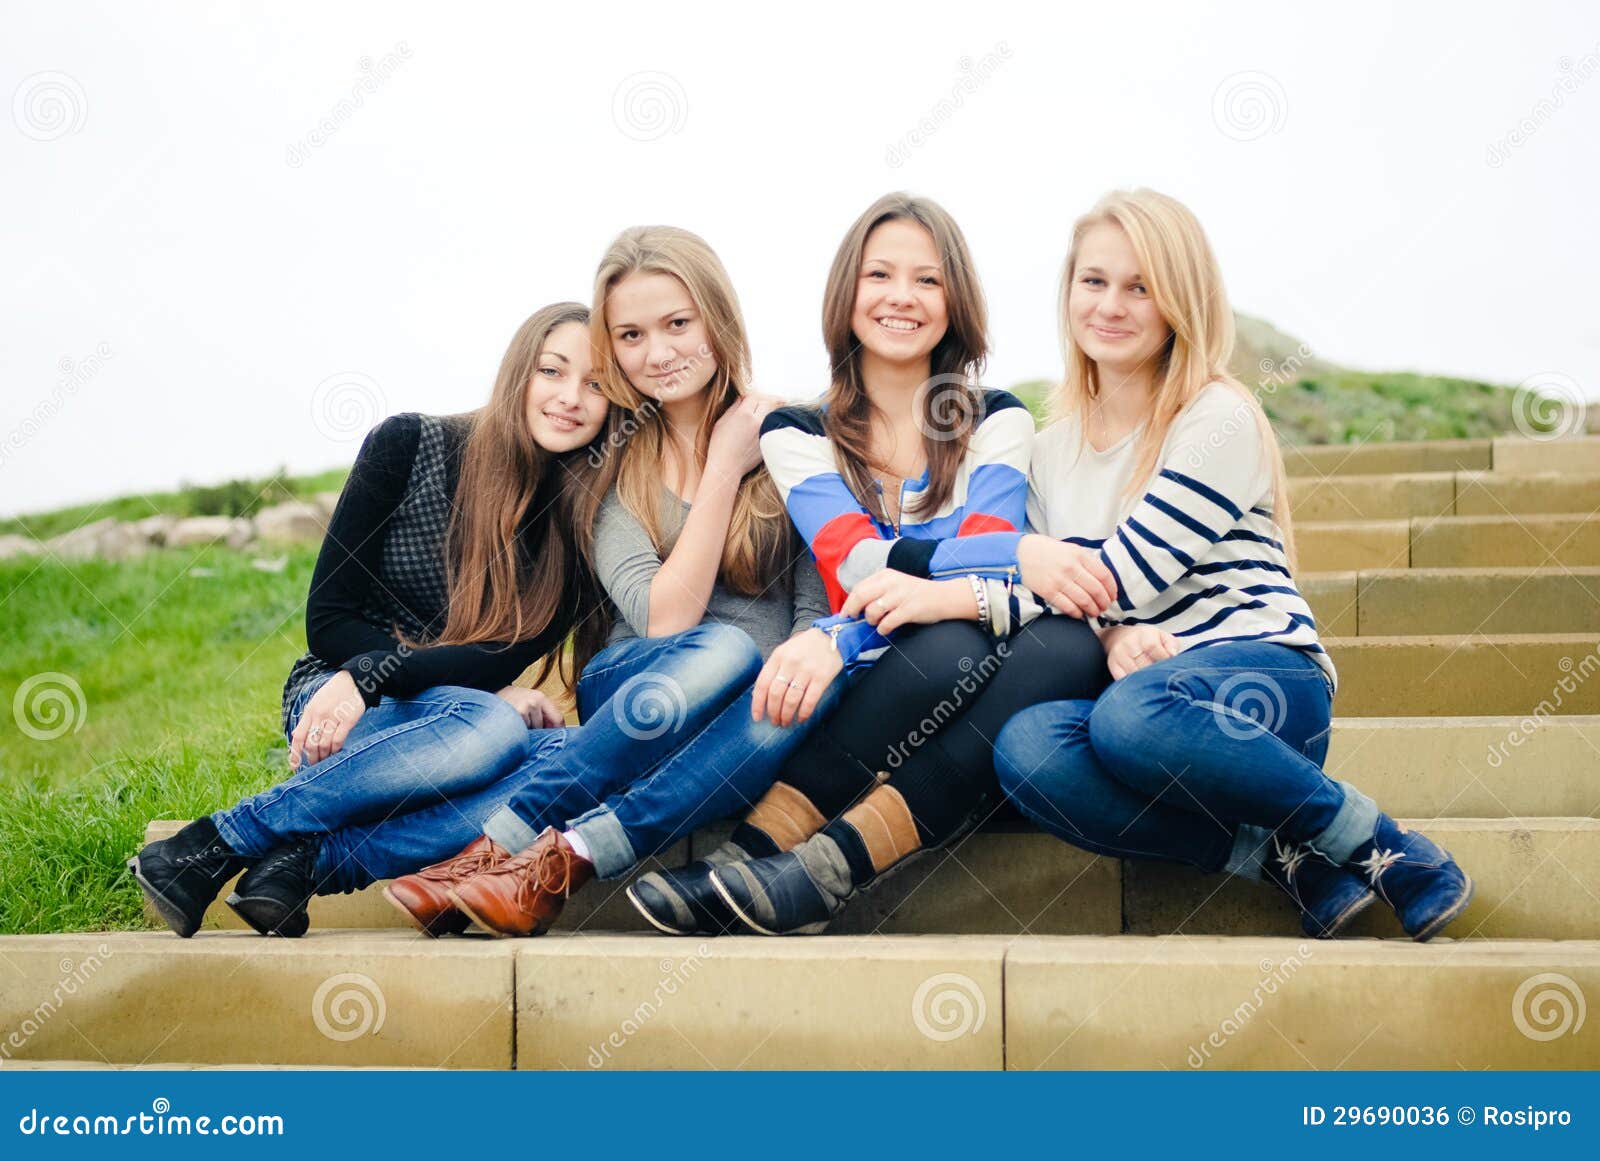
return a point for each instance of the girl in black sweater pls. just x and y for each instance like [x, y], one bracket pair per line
[448, 569]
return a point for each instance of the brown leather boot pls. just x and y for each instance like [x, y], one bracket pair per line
[524, 895]
[424, 897]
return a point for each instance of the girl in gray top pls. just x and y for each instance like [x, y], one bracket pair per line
[705, 576]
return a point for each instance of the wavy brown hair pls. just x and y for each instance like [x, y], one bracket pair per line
[948, 404]
[757, 547]
[497, 590]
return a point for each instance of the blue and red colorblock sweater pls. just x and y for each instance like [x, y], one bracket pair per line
[850, 544]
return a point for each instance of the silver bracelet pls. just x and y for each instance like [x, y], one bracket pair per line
[980, 593]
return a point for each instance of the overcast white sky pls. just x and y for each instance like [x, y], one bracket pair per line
[187, 257]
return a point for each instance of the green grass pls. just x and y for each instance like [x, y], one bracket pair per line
[1341, 406]
[180, 677]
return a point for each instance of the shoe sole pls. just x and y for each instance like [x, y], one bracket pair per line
[1342, 920]
[175, 919]
[1449, 916]
[723, 893]
[266, 916]
[430, 932]
[665, 929]
[494, 931]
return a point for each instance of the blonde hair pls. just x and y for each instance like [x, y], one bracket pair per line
[757, 546]
[1184, 281]
[949, 406]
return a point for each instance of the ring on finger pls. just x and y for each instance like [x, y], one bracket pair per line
[780, 680]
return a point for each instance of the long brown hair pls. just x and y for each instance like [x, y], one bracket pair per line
[949, 402]
[756, 549]
[497, 592]
[1185, 282]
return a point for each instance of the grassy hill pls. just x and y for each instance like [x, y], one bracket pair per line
[1313, 401]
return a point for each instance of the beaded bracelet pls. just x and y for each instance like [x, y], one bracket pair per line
[980, 593]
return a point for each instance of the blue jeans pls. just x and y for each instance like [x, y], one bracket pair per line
[666, 746]
[1195, 759]
[403, 754]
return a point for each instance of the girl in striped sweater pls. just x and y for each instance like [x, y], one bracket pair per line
[903, 466]
[1208, 747]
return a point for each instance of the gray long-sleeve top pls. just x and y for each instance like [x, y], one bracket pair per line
[627, 562]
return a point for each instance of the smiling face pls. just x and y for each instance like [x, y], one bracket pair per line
[1113, 317]
[900, 309]
[659, 337]
[565, 408]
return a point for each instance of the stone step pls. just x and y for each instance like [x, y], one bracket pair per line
[332, 998]
[1187, 1003]
[1396, 602]
[1438, 455]
[1501, 674]
[1535, 878]
[352, 999]
[1010, 879]
[1435, 494]
[1450, 542]
[1503, 454]
[1573, 454]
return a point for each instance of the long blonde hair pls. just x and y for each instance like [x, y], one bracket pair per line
[757, 547]
[496, 591]
[950, 405]
[1185, 282]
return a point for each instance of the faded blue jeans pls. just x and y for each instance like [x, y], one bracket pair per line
[1195, 759]
[667, 745]
[403, 754]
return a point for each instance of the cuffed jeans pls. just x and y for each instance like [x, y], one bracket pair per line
[1195, 759]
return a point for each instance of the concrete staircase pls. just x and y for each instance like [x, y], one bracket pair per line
[1458, 587]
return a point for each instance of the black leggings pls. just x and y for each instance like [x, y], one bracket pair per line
[926, 715]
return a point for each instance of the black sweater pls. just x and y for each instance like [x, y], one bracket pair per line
[382, 568]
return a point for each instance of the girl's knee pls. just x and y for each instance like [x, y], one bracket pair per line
[496, 724]
[1124, 719]
[727, 651]
[1025, 747]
